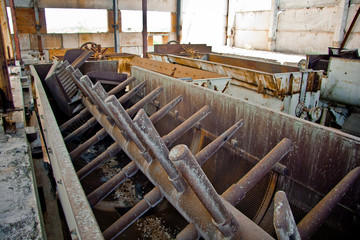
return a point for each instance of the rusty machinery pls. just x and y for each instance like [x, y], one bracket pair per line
[175, 172]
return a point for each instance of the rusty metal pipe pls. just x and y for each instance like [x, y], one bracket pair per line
[89, 124]
[148, 98]
[210, 149]
[101, 192]
[150, 200]
[120, 225]
[187, 125]
[100, 135]
[92, 122]
[284, 222]
[122, 85]
[115, 149]
[85, 111]
[313, 220]
[165, 110]
[104, 190]
[157, 147]
[132, 92]
[91, 166]
[237, 191]
[190, 169]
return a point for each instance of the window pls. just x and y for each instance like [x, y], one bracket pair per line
[10, 20]
[61, 20]
[131, 21]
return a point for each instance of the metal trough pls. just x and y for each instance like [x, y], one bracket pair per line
[280, 87]
[206, 162]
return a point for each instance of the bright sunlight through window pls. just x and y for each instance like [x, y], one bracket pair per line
[131, 21]
[61, 20]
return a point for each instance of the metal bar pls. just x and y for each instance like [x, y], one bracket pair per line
[144, 32]
[100, 135]
[116, 25]
[313, 220]
[157, 147]
[91, 166]
[187, 125]
[74, 119]
[85, 111]
[115, 149]
[150, 200]
[92, 122]
[122, 223]
[121, 86]
[284, 222]
[215, 145]
[16, 34]
[178, 20]
[89, 124]
[237, 191]
[101, 192]
[132, 92]
[190, 169]
[126, 124]
[148, 98]
[350, 29]
[165, 110]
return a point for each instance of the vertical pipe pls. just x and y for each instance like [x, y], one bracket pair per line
[144, 32]
[350, 29]
[116, 25]
[178, 21]
[16, 36]
[38, 27]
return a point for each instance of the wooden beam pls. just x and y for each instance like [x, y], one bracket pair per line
[6, 31]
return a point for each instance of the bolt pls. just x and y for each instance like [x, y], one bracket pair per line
[60, 182]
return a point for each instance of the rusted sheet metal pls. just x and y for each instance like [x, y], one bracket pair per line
[179, 48]
[173, 70]
[312, 166]
[257, 65]
[79, 216]
[268, 78]
[202, 78]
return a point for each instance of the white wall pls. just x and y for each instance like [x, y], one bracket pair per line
[299, 26]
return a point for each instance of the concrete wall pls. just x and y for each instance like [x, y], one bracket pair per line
[294, 26]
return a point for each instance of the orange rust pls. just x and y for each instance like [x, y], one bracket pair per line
[25, 19]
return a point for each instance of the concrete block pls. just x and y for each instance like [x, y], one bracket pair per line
[34, 41]
[252, 20]
[24, 39]
[303, 42]
[132, 50]
[313, 19]
[251, 39]
[105, 39]
[291, 4]
[130, 39]
[70, 40]
[51, 41]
